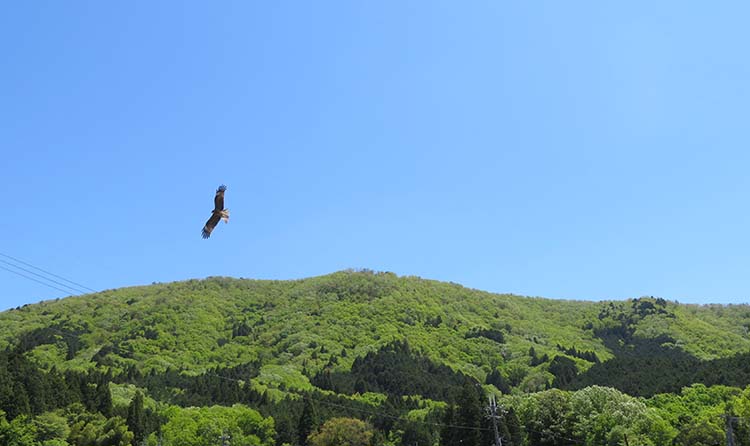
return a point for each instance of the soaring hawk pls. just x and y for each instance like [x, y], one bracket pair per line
[219, 213]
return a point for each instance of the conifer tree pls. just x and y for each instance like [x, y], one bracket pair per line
[469, 414]
[448, 435]
[514, 428]
[136, 419]
[307, 422]
[103, 399]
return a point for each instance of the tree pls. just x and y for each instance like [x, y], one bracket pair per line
[700, 433]
[449, 436]
[604, 415]
[469, 414]
[16, 401]
[136, 419]
[514, 428]
[548, 418]
[199, 426]
[19, 432]
[416, 434]
[104, 399]
[87, 428]
[342, 432]
[498, 380]
[564, 369]
[306, 422]
[51, 426]
[115, 433]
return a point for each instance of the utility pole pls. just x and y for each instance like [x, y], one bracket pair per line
[730, 432]
[494, 416]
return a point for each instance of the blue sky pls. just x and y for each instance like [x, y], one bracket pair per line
[585, 150]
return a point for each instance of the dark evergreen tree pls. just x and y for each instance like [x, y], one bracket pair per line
[564, 369]
[307, 422]
[136, 418]
[449, 434]
[394, 369]
[498, 380]
[360, 386]
[532, 354]
[514, 428]
[469, 414]
[415, 434]
[18, 403]
[103, 399]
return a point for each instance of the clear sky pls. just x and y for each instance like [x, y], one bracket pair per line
[577, 150]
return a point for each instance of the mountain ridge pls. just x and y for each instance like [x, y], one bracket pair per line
[197, 324]
[407, 359]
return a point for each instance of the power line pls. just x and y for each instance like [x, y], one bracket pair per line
[75, 290]
[37, 281]
[551, 434]
[47, 272]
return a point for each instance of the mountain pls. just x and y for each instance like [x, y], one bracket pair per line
[364, 338]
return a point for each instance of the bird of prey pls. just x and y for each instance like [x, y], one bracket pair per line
[219, 213]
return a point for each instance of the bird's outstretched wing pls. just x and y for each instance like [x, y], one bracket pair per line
[210, 225]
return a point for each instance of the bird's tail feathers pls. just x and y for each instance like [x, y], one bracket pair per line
[225, 215]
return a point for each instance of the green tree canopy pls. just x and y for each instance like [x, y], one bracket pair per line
[342, 432]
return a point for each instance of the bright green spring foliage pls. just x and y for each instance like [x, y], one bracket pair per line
[200, 361]
[198, 426]
[198, 324]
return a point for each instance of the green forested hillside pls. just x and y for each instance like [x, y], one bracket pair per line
[404, 354]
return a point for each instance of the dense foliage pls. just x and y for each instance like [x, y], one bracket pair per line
[388, 360]
[395, 370]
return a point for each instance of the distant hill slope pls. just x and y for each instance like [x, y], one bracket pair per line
[313, 331]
